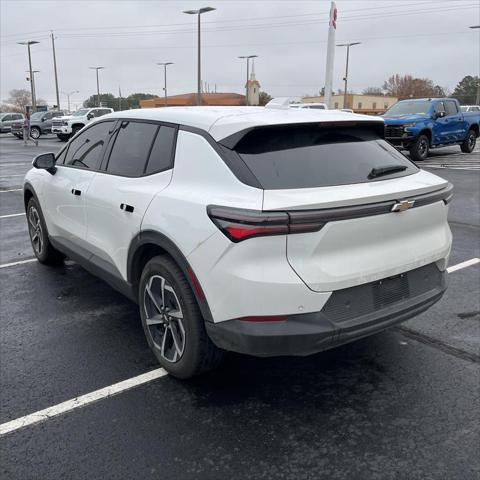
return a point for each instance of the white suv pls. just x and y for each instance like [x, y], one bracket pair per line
[69, 125]
[265, 232]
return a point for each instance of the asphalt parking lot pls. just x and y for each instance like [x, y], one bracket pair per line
[403, 404]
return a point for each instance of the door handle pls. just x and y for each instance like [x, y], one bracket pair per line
[126, 208]
[76, 192]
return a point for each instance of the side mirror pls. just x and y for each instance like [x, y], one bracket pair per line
[438, 115]
[45, 161]
[90, 116]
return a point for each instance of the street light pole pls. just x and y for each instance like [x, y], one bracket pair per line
[165, 64]
[348, 45]
[247, 57]
[199, 74]
[55, 70]
[98, 84]
[68, 96]
[32, 82]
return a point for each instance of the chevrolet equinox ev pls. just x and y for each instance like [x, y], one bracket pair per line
[260, 231]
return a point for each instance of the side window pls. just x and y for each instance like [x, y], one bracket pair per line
[161, 156]
[336, 105]
[60, 158]
[104, 111]
[451, 108]
[48, 116]
[7, 118]
[18, 117]
[359, 104]
[374, 106]
[440, 107]
[85, 150]
[131, 148]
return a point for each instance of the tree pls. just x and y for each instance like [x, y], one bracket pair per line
[117, 103]
[19, 99]
[467, 90]
[264, 98]
[407, 86]
[373, 91]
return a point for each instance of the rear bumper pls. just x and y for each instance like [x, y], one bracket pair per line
[351, 314]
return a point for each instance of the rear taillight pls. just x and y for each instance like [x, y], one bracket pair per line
[239, 224]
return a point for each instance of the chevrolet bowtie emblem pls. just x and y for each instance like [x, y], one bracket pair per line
[403, 205]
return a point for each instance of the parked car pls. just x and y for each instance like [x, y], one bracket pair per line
[40, 124]
[67, 126]
[470, 108]
[246, 229]
[6, 120]
[422, 124]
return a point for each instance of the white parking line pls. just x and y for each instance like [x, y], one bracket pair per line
[459, 266]
[81, 401]
[10, 176]
[12, 215]
[12, 190]
[5, 164]
[20, 262]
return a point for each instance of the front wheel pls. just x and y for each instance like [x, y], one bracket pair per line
[468, 144]
[37, 230]
[63, 137]
[419, 150]
[35, 133]
[172, 321]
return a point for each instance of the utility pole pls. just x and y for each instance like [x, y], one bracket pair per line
[165, 65]
[98, 84]
[345, 79]
[199, 74]
[247, 57]
[330, 54]
[32, 81]
[55, 70]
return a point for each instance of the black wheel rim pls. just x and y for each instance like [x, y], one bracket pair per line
[423, 148]
[471, 141]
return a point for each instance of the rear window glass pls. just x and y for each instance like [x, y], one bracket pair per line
[309, 156]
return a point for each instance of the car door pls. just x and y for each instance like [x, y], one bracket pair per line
[440, 131]
[455, 122]
[7, 122]
[137, 165]
[64, 195]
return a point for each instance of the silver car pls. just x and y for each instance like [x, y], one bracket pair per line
[6, 120]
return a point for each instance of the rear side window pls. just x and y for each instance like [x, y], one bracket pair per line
[309, 156]
[131, 149]
[161, 156]
[85, 150]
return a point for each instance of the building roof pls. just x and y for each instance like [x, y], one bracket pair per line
[190, 99]
[222, 122]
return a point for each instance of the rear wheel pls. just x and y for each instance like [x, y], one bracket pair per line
[468, 144]
[172, 321]
[37, 230]
[35, 133]
[419, 150]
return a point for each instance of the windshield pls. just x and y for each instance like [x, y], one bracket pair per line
[408, 108]
[309, 156]
[80, 113]
[37, 115]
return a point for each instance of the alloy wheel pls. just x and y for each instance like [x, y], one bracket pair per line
[35, 230]
[35, 133]
[164, 318]
[422, 148]
[471, 141]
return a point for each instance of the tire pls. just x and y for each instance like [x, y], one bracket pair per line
[19, 137]
[63, 137]
[419, 150]
[76, 129]
[37, 230]
[35, 133]
[193, 352]
[468, 144]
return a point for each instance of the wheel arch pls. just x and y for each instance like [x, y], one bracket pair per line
[148, 244]
[428, 133]
[475, 128]
[75, 125]
[28, 193]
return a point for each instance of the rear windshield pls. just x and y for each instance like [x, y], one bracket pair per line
[312, 156]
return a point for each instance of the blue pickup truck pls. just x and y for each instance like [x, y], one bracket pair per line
[419, 125]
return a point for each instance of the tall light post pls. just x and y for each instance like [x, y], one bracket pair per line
[165, 64]
[32, 82]
[348, 45]
[98, 85]
[55, 70]
[199, 74]
[67, 94]
[247, 57]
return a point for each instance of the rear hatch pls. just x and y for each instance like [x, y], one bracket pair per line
[346, 180]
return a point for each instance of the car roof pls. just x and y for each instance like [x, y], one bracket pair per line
[222, 122]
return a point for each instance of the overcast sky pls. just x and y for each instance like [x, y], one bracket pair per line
[127, 37]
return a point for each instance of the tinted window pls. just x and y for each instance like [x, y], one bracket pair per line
[130, 152]
[451, 108]
[161, 156]
[299, 156]
[6, 118]
[85, 150]
[18, 117]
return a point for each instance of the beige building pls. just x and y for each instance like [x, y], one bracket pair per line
[369, 104]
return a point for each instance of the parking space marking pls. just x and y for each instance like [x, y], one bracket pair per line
[12, 190]
[14, 164]
[12, 215]
[459, 266]
[20, 262]
[10, 176]
[80, 401]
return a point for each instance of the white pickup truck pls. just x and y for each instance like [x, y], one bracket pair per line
[67, 126]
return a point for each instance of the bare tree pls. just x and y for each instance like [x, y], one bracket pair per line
[372, 91]
[407, 86]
